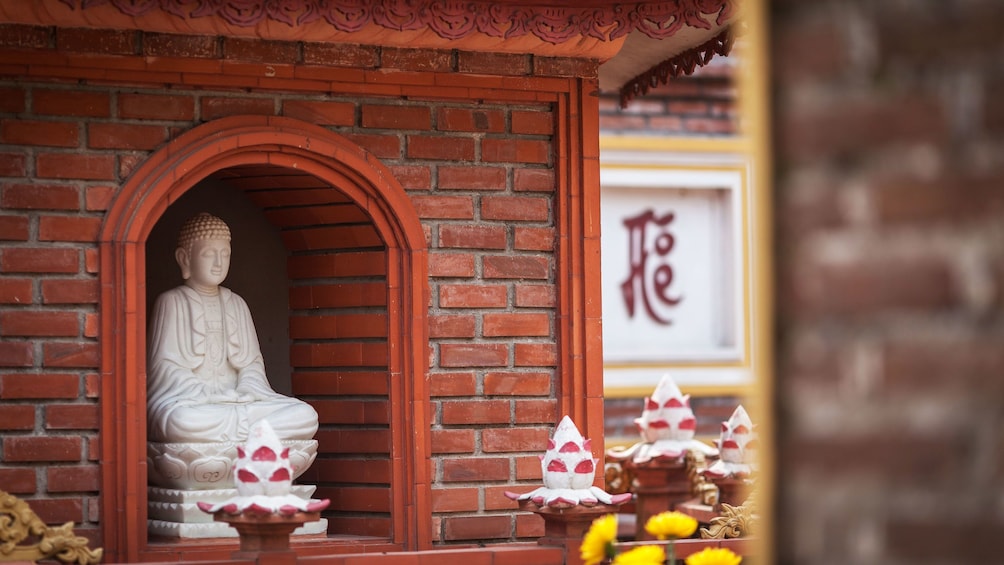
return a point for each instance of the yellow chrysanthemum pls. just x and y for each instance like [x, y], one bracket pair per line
[598, 541]
[642, 555]
[671, 525]
[713, 556]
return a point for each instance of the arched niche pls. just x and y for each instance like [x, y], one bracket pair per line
[312, 178]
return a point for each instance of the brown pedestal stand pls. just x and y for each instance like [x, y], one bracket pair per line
[265, 537]
[732, 491]
[659, 485]
[565, 527]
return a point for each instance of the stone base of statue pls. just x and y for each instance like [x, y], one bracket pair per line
[174, 513]
[202, 466]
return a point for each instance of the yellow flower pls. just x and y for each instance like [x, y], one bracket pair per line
[598, 542]
[642, 555]
[713, 556]
[671, 525]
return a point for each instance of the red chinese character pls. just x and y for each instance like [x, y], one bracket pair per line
[649, 280]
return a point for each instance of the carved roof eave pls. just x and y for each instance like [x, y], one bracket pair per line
[593, 29]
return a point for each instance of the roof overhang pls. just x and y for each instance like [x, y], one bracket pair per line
[639, 42]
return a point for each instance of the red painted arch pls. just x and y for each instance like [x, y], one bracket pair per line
[159, 181]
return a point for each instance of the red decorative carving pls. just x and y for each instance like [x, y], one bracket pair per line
[452, 19]
[682, 64]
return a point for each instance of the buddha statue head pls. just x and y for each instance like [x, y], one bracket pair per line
[203, 251]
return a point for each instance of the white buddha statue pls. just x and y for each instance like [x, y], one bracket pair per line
[206, 377]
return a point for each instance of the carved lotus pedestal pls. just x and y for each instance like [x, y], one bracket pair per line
[265, 537]
[659, 484]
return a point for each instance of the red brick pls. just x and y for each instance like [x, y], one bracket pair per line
[71, 354]
[40, 133]
[76, 478]
[531, 526]
[384, 146]
[444, 207]
[68, 228]
[493, 63]
[75, 166]
[424, 60]
[12, 164]
[321, 112]
[413, 177]
[174, 45]
[451, 326]
[515, 208]
[14, 228]
[517, 384]
[15, 354]
[91, 261]
[91, 324]
[464, 499]
[452, 441]
[17, 417]
[473, 355]
[71, 417]
[213, 107]
[565, 67]
[87, 40]
[259, 50]
[621, 123]
[98, 198]
[535, 296]
[536, 355]
[472, 296]
[467, 119]
[472, 178]
[41, 197]
[541, 123]
[504, 324]
[472, 236]
[475, 469]
[495, 498]
[15, 386]
[477, 527]
[72, 103]
[515, 151]
[443, 148]
[73, 291]
[11, 100]
[58, 510]
[40, 260]
[340, 55]
[461, 412]
[396, 117]
[451, 264]
[452, 384]
[495, 440]
[510, 267]
[39, 449]
[156, 107]
[18, 480]
[534, 411]
[25, 36]
[39, 323]
[956, 197]
[528, 468]
[15, 291]
[125, 136]
[534, 239]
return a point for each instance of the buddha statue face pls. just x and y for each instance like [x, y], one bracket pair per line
[208, 262]
[203, 251]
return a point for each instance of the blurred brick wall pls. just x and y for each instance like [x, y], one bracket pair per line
[889, 156]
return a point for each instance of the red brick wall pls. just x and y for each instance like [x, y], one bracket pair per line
[890, 202]
[480, 176]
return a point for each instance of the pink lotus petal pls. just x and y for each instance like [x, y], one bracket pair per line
[245, 476]
[658, 424]
[288, 510]
[205, 507]
[230, 508]
[585, 466]
[557, 465]
[620, 498]
[730, 444]
[587, 445]
[285, 453]
[550, 444]
[511, 495]
[538, 500]
[687, 424]
[280, 474]
[263, 453]
[651, 404]
[673, 403]
[561, 502]
[256, 508]
[570, 447]
[588, 501]
[240, 452]
[318, 505]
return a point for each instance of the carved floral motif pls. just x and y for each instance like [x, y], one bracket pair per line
[452, 19]
[18, 522]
